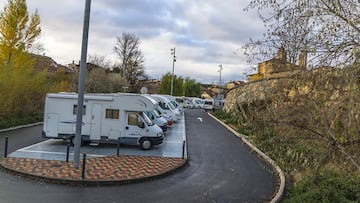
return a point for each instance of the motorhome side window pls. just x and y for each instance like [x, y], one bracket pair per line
[133, 118]
[112, 114]
[75, 109]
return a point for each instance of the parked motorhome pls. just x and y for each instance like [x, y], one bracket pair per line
[157, 119]
[209, 104]
[198, 103]
[174, 103]
[218, 103]
[106, 118]
[165, 115]
[185, 102]
[167, 106]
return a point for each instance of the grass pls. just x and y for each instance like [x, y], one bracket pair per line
[302, 159]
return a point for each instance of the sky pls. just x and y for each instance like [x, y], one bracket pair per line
[204, 33]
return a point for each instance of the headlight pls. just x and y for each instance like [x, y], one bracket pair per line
[160, 134]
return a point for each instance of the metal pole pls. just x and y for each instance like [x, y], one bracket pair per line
[183, 150]
[83, 167]
[6, 146]
[172, 74]
[221, 68]
[118, 147]
[77, 144]
[67, 151]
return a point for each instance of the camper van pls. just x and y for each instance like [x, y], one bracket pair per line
[157, 119]
[106, 118]
[167, 106]
[209, 104]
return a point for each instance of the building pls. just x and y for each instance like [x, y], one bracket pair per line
[278, 67]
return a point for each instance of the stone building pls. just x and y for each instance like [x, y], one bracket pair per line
[278, 67]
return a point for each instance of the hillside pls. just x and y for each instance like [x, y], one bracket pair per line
[309, 123]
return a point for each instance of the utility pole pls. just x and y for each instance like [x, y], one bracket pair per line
[79, 113]
[220, 90]
[172, 75]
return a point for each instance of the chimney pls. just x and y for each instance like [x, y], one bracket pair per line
[281, 55]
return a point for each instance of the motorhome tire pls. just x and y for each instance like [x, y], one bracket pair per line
[72, 141]
[145, 144]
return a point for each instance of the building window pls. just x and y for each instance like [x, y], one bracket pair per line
[112, 114]
[75, 109]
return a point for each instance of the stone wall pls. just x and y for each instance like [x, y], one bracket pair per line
[327, 85]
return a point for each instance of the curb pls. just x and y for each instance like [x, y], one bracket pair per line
[280, 192]
[80, 182]
[20, 126]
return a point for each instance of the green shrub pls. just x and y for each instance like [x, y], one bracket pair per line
[11, 122]
[227, 118]
[326, 186]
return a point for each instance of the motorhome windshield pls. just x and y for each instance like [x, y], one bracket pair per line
[147, 120]
[163, 105]
[175, 104]
[171, 106]
[155, 113]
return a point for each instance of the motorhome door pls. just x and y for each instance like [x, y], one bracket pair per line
[133, 132]
[52, 125]
[95, 127]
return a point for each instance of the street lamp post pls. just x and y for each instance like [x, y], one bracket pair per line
[172, 74]
[79, 113]
[221, 68]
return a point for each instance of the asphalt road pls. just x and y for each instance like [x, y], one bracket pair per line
[220, 169]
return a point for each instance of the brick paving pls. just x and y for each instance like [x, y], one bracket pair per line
[99, 169]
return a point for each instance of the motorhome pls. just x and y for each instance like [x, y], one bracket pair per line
[165, 115]
[174, 103]
[218, 104]
[106, 118]
[209, 104]
[198, 103]
[167, 106]
[158, 119]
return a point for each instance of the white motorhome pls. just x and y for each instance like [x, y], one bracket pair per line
[209, 104]
[165, 115]
[167, 106]
[158, 120]
[199, 103]
[106, 118]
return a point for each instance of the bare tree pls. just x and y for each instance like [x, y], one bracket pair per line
[100, 61]
[327, 29]
[132, 60]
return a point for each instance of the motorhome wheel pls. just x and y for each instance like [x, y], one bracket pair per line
[145, 144]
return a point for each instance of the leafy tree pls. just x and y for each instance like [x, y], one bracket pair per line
[22, 90]
[18, 32]
[326, 29]
[131, 59]
[165, 87]
[191, 88]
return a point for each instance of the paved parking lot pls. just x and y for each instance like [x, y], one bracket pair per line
[54, 149]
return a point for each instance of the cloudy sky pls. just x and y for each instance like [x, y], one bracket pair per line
[205, 33]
